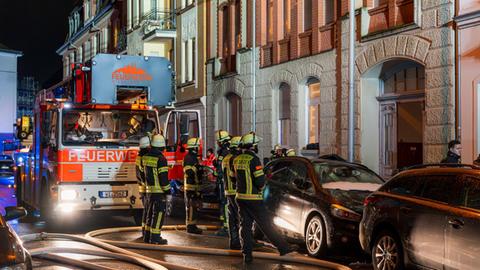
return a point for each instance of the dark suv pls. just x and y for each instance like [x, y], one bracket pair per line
[426, 217]
[318, 202]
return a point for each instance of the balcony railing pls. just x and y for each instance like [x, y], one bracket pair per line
[159, 20]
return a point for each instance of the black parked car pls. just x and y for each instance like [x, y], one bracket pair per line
[318, 202]
[12, 253]
[428, 217]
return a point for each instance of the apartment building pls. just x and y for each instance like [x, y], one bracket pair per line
[404, 77]
[95, 26]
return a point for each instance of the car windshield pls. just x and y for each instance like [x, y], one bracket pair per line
[344, 177]
[96, 127]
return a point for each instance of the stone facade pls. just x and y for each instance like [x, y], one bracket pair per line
[427, 41]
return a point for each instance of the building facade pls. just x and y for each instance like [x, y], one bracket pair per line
[8, 88]
[404, 77]
[94, 27]
[467, 21]
[27, 88]
[191, 55]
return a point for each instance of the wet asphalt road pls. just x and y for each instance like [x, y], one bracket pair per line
[80, 226]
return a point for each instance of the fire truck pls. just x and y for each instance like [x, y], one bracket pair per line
[85, 137]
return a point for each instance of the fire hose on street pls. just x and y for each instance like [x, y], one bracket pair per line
[118, 250]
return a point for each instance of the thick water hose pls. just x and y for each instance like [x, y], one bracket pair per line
[106, 246]
[46, 252]
[73, 262]
[207, 251]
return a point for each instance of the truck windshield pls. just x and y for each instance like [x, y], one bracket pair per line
[117, 127]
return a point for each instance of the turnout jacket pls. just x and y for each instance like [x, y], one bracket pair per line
[221, 154]
[140, 172]
[249, 176]
[191, 172]
[229, 173]
[156, 172]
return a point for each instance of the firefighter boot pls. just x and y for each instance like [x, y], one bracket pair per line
[159, 241]
[247, 258]
[194, 229]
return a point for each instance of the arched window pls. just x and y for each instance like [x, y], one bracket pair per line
[234, 108]
[313, 103]
[284, 114]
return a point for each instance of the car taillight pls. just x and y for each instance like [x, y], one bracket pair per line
[370, 199]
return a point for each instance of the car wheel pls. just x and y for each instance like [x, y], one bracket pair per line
[387, 252]
[315, 239]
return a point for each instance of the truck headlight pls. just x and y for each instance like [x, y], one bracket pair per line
[68, 195]
[344, 213]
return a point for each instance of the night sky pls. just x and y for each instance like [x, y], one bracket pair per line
[37, 28]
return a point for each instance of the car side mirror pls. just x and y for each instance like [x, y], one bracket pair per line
[13, 212]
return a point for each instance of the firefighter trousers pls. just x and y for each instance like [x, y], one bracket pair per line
[192, 203]
[233, 222]
[144, 198]
[157, 203]
[255, 211]
[222, 203]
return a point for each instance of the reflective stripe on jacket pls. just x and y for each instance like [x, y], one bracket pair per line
[191, 181]
[249, 176]
[156, 172]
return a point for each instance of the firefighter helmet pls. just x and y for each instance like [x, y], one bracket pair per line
[144, 142]
[193, 143]
[277, 147]
[222, 136]
[158, 141]
[250, 139]
[290, 152]
[235, 142]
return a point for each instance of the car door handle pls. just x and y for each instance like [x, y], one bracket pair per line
[455, 223]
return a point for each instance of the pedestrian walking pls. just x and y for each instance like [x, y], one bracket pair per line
[249, 197]
[144, 145]
[192, 185]
[223, 142]
[157, 188]
[454, 152]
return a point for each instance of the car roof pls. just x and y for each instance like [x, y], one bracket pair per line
[440, 169]
[323, 160]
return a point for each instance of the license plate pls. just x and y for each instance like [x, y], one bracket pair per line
[210, 206]
[113, 194]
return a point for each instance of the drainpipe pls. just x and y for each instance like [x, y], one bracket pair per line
[351, 95]
[254, 90]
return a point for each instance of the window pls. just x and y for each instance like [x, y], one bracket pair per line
[377, 3]
[307, 15]
[313, 110]
[269, 20]
[404, 80]
[350, 175]
[286, 17]
[279, 172]
[284, 114]
[87, 10]
[471, 193]
[403, 186]
[439, 188]
[226, 31]
[328, 11]
[234, 105]
[238, 24]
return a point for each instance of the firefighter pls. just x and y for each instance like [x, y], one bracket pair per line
[249, 197]
[230, 192]
[144, 145]
[157, 187]
[192, 185]
[223, 142]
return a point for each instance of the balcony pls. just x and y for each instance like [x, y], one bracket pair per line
[162, 21]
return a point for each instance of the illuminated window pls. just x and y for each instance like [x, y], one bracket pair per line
[313, 110]
[270, 20]
[286, 16]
